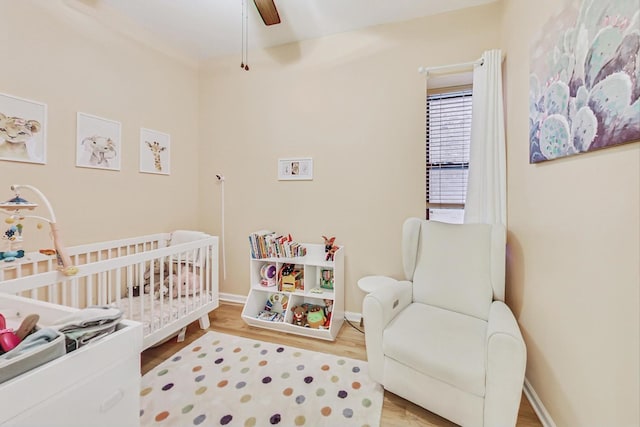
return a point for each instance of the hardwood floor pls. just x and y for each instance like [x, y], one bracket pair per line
[396, 411]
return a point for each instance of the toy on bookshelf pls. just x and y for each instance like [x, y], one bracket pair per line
[274, 308]
[328, 309]
[299, 315]
[326, 278]
[277, 303]
[329, 248]
[316, 317]
[268, 275]
[291, 278]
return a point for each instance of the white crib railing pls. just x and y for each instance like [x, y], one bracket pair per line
[185, 288]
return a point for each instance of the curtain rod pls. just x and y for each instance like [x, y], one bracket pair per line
[453, 67]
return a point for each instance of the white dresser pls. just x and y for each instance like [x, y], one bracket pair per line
[96, 385]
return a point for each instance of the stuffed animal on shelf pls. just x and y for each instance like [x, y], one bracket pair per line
[299, 316]
[315, 317]
[329, 248]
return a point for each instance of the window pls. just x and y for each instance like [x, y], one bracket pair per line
[447, 153]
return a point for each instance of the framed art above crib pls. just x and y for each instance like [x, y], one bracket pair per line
[98, 143]
[23, 130]
[155, 152]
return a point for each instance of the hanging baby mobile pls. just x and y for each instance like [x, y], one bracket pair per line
[12, 238]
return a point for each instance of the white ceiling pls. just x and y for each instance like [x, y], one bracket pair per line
[204, 29]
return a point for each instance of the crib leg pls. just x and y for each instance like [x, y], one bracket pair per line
[182, 334]
[204, 322]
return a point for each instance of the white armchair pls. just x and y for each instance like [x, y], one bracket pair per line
[443, 338]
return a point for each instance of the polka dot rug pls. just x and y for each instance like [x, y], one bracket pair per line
[224, 380]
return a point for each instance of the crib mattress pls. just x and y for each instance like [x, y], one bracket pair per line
[160, 315]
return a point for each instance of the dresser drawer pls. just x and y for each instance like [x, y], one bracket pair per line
[109, 398]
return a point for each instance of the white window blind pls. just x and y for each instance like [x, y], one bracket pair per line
[447, 153]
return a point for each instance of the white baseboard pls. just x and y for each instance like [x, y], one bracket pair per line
[353, 317]
[240, 299]
[537, 405]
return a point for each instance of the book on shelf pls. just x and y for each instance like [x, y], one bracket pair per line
[268, 244]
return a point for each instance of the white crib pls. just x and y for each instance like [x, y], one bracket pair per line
[180, 270]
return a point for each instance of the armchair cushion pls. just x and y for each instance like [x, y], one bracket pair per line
[454, 267]
[451, 346]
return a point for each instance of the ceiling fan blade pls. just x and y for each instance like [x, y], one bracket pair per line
[268, 11]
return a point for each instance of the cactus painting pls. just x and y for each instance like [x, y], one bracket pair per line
[584, 83]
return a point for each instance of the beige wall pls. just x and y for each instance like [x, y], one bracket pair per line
[61, 55]
[355, 103]
[574, 251]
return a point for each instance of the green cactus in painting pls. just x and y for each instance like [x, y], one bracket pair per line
[627, 125]
[609, 96]
[583, 128]
[582, 97]
[564, 64]
[624, 59]
[554, 137]
[603, 49]
[610, 100]
[557, 98]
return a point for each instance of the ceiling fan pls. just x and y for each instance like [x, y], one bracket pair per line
[268, 11]
[269, 15]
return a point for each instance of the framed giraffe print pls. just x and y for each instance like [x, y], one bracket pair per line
[155, 152]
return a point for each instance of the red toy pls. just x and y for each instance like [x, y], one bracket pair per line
[328, 309]
[329, 248]
[8, 339]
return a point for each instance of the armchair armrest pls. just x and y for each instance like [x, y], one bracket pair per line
[386, 303]
[378, 309]
[506, 361]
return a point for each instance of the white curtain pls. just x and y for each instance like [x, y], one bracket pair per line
[486, 200]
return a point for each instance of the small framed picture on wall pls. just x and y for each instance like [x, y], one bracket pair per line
[298, 168]
[155, 152]
[23, 130]
[98, 143]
